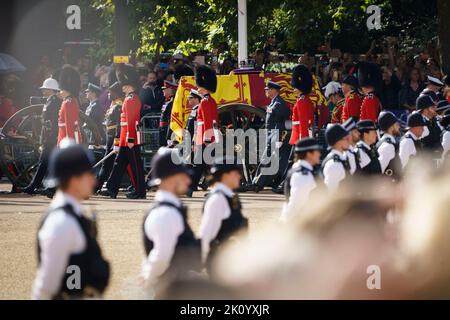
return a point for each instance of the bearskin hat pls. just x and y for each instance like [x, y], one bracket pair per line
[369, 74]
[127, 75]
[182, 70]
[302, 78]
[205, 77]
[69, 80]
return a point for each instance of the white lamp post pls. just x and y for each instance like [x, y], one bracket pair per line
[242, 31]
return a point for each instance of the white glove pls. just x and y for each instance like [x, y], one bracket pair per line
[278, 144]
[116, 149]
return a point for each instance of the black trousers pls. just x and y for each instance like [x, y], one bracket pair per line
[199, 166]
[107, 165]
[42, 167]
[290, 162]
[262, 178]
[125, 157]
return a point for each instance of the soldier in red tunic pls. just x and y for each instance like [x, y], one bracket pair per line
[207, 121]
[303, 111]
[68, 120]
[353, 101]
[129, 144]
[302, 114]
[369, 77]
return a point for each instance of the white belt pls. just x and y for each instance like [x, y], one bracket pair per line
[200, 123]
[294, 123]
[61, 125]
[124, 124]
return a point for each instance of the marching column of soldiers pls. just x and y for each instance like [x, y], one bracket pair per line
[362, 141]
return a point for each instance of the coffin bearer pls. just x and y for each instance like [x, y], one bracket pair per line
[112, 126]
[388, 145]
[169, 90]
[94, 110]
[277, 114]
[353, 100]
[335, 166]
[301, 180]
[303, 111]
[129, 143]
[222, 212]
[207, 121]
[49, 132]
[70, 262]
[170, 245]
[410, 144]
[68, 118]
[368, 154]
[369, 77]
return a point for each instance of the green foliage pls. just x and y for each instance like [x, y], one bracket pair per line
[189, 26]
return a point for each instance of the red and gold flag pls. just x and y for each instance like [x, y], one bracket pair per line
[238, 88]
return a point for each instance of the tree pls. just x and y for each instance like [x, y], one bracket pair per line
[189, 26]
[443, 9]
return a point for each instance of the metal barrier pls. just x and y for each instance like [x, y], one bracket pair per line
[150, 137]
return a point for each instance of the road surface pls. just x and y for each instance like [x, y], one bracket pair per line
[120, 235]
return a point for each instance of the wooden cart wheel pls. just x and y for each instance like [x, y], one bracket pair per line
[245, 117]
[20, 143]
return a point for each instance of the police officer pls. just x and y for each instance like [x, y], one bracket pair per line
[368, 154]
[445, 140]
[353, 100]
[112, 130]
[169, 90]
[67, 245]
[410, 144]
[388, 145]
[432, 89]
[94, 110]
[69, 118]
[369, 77]
[222, 210]
[277, 114]
[335, 166]
[431, 139]
[170, 245]
[49, 131]
[129, 144]
[354, 137]
[207, 121]
[301, 180]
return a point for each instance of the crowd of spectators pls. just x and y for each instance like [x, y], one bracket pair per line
[403, 73]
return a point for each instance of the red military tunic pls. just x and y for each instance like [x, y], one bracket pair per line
[352, 107]
[207, 120]
[302, 118]
[69, 120]
[370, 108]
[129, 119]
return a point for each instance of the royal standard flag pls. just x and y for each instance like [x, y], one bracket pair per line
[234, 89]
